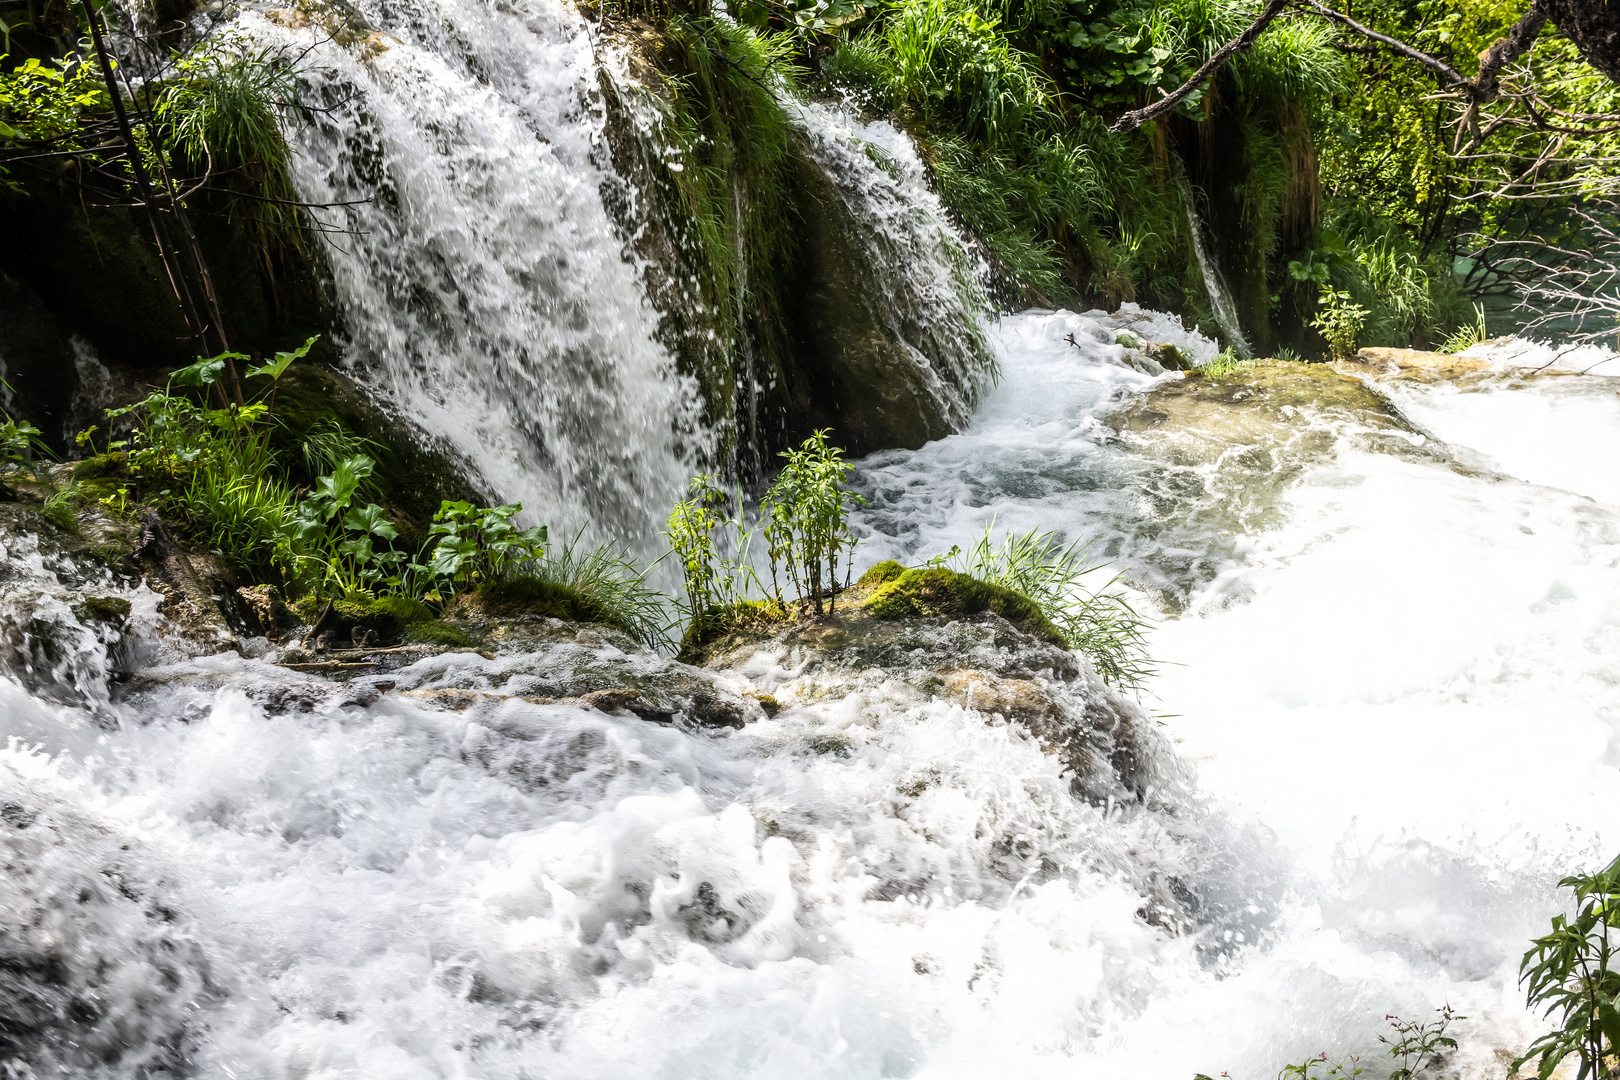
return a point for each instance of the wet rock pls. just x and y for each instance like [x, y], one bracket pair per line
[271, 616]
[1411, 364]
[1276, 413]
[968, 654]
[189, 603]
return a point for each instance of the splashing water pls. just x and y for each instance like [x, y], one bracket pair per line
[1220, 300]
[1395, 685]
[481, 285]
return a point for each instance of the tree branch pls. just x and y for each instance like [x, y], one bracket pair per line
[1136, 118]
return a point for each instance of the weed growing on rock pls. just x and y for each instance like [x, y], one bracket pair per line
[1098, 622]
[1225, 365]
[807, 531]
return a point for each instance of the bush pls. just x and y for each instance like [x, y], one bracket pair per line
[1339, 322]
[1569, 972]
[807, 530]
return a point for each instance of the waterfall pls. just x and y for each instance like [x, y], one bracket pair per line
[480, 284]
[1219, 299]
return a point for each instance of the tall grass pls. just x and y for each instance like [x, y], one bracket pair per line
[608, 580]
[1097, 621]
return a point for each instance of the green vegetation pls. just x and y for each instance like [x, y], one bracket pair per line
[1339, 321]
[1225, 364]
[1569, 973]
[936, 592]
[1098, 622]
[807, 521]
[1030, 579]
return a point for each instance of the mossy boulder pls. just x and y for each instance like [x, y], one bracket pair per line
[112, 610]
[935, 592]
[529, 599]
[435, 632]
[358, 622]
[745, 618]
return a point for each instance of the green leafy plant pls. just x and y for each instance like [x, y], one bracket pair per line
[690, 531]
[477, 544]
[20, 443]
[1098, 622]
[1569, 974]
[807, 521]
[1418, 1045]
[1339, 321]
[1224, 365]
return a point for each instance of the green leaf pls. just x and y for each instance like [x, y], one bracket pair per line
[205, 372]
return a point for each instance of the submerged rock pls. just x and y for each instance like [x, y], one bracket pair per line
[933, 634]
[1276, 412]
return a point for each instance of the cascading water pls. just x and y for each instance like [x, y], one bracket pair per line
[482, 287]
[1220, 300]
[1395, 687]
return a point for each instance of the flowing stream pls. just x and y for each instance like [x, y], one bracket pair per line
[1388, 707]
[1389, 725]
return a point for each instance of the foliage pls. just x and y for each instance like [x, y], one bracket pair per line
[1098, 622]
[690, 531]
[1467, 335]
[44, 104]
[612, 587]
[1224, 365]
[1418, 1045]
[20, 443]
[1569, 973]
[1339, 321]
[477, 544]
[807, 527]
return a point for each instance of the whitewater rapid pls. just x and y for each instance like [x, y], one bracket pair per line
[1388, 717]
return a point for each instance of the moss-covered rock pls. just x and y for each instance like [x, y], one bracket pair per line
[113, 610]
[935, 592]
[533, 596]
[746, 618]
[887, 570]
[435, 632]
[359, 622]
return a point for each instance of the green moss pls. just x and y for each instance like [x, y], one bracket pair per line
[884, 571]
[387, 619]
[532, 596]
[102, 465]
[61, 515]
[745, 617]
[435, 632]
[107, 609]
[940, 593]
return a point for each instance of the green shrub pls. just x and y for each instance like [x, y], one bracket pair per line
[1570, 973]
[1339, 322]
[807, 527]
